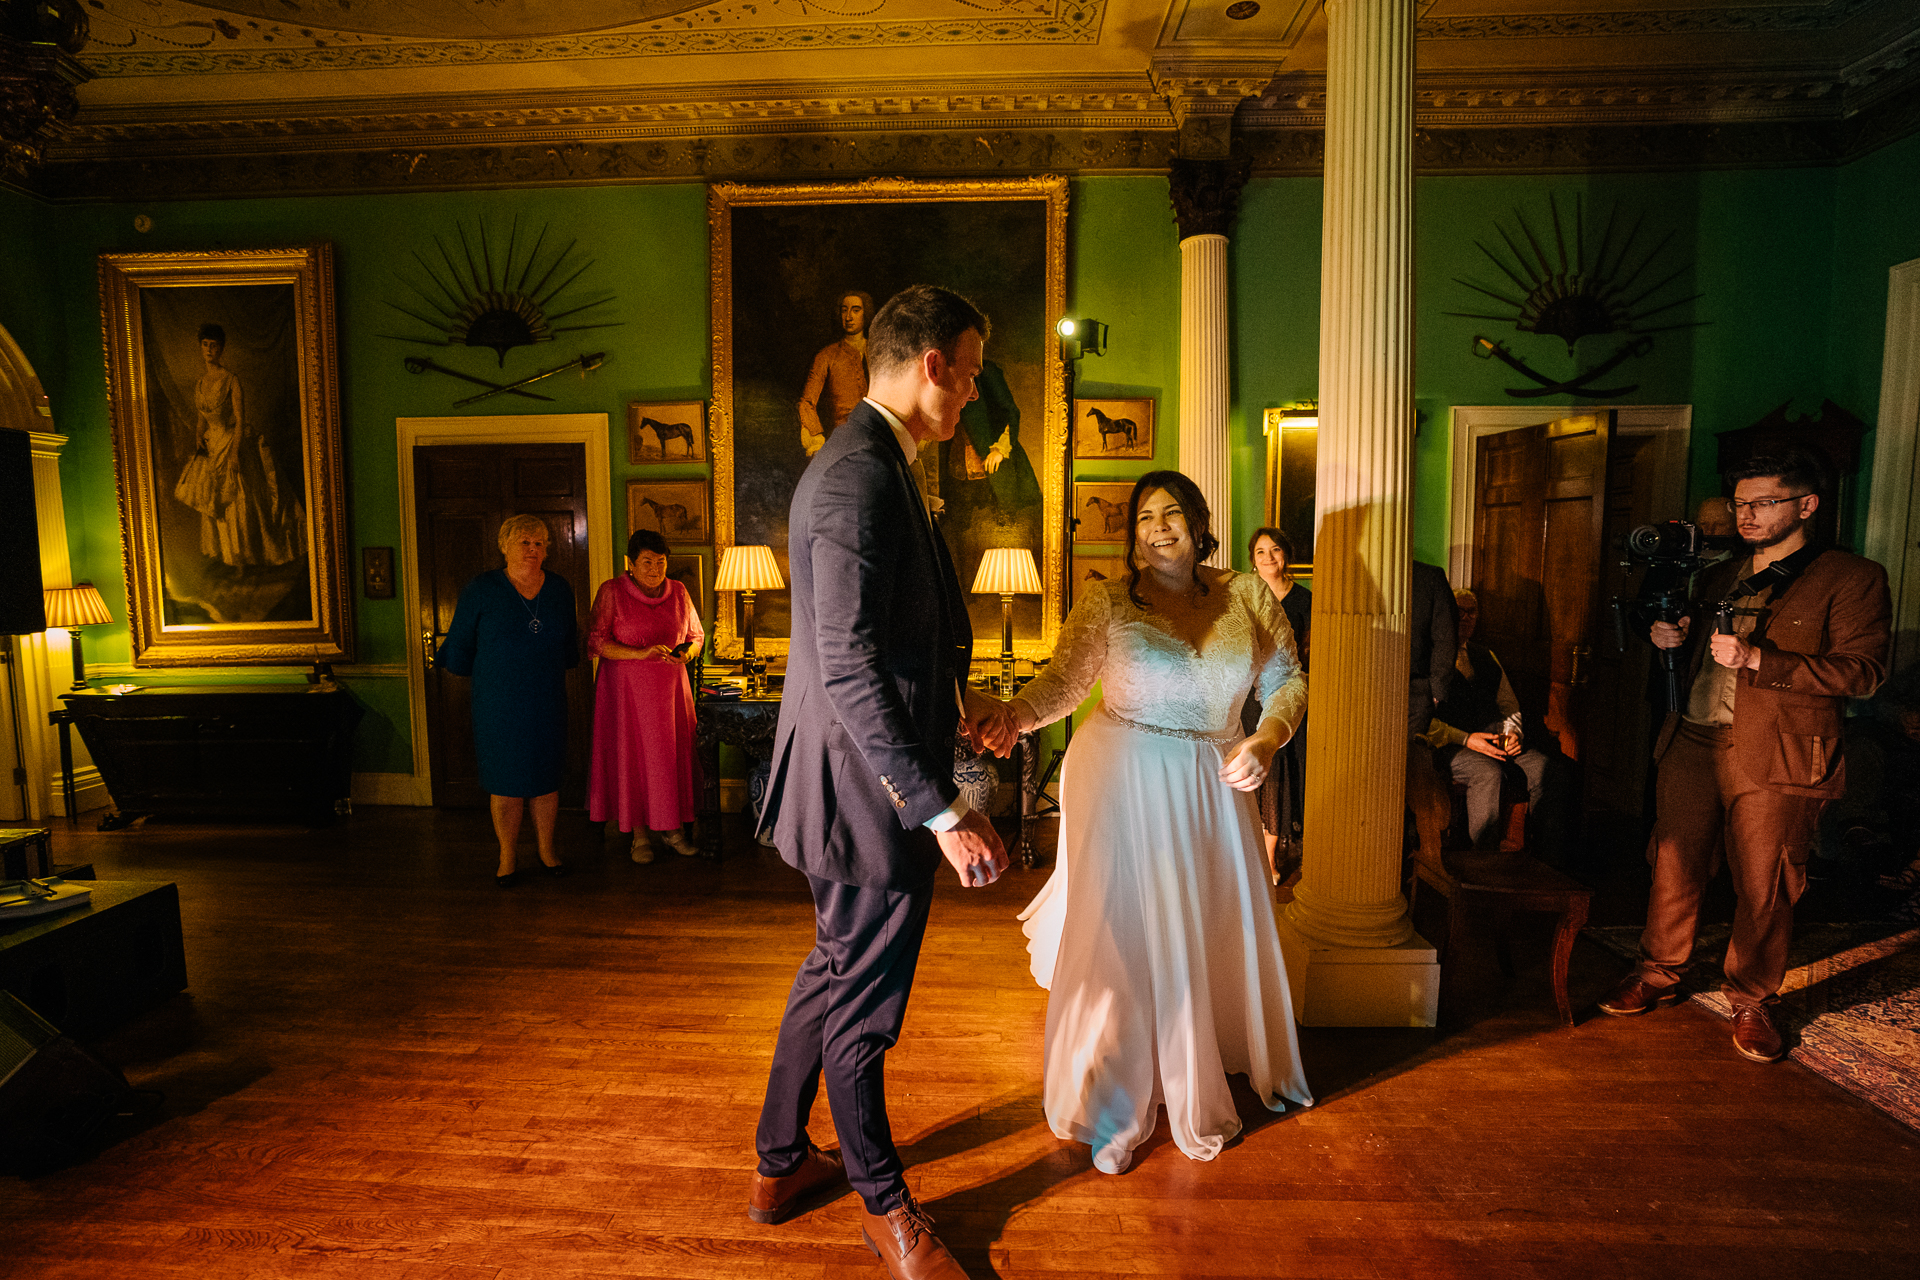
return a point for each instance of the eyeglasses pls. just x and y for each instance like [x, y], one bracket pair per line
[1759, 505]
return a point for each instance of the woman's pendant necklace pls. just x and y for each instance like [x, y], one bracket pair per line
[533, 610]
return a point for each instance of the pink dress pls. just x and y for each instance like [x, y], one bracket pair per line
[644, 772]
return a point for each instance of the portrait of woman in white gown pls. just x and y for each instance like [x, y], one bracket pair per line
[1155, 934]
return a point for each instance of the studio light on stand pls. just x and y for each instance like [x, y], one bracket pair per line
[747, 570]
[1007, 572]
[71, 608]
[1089, 336]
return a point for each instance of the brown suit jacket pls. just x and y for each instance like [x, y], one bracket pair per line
[1823, 640]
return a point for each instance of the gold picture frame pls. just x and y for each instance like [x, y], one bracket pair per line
[784, 260]
[223, 392]
[666, 431]
[1100, 510]
[1293, 450]
[1113, 429]
[675, 509]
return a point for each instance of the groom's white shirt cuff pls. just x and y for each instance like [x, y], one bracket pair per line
[948, 818]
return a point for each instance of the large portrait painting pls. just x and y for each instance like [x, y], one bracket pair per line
[798, 272]
[226, 432]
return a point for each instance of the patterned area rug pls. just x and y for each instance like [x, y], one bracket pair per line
[1850, 1005]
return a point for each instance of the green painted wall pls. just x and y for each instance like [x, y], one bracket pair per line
[1791, 266]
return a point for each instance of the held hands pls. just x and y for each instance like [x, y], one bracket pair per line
[1250, 758]
[990, 724]
[973, 848]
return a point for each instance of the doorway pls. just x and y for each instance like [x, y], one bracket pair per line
[459, 478]
[1540, 504]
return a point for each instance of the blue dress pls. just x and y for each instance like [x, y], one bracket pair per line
[519, 679]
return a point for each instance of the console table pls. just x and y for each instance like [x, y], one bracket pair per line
[227, 751]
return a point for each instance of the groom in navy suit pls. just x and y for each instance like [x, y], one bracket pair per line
[861, 796]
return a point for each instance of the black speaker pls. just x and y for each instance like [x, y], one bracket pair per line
[23, 609]
[54, 1094]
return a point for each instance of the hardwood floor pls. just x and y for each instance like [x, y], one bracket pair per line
[388, 1069]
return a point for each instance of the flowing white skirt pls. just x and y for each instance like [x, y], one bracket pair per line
[1155, 939]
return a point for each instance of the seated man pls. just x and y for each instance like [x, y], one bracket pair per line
[1476, 732]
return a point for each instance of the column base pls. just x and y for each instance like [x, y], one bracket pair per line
[1396, 986]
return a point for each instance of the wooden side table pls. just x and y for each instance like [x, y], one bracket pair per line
[746, 723]
[26, 853]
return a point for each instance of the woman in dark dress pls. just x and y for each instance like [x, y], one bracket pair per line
[1284, 791]
[514, 633]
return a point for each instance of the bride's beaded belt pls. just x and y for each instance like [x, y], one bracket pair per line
[1192, 735]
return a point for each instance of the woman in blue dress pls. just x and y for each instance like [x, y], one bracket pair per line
[514, 633]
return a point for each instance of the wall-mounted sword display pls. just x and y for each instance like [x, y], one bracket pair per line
[420, 364]
[585, 364]
[1488, 349]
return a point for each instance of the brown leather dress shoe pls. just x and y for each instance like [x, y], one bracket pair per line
[905, 1242]
[1634, 997]
[776, 1199]
[1754, 1036]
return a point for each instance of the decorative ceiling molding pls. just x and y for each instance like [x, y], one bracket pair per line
[1650, 22]
[1072, 22]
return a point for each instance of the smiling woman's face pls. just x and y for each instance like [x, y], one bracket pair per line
[1160, 535]
[650, 570]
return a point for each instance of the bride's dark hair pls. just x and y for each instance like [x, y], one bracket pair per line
[1192, 506]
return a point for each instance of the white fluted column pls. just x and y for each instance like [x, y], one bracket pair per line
[1354, 958]
[1204, 452]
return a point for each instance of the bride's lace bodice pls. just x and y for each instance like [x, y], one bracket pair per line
[1150, 676]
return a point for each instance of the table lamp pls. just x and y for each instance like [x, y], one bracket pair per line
[1007, 572]
[71, 608]
[747, 570]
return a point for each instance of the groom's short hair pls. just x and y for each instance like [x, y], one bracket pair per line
[918, 319]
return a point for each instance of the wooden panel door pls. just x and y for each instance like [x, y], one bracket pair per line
[1540, 509]
[462, 494]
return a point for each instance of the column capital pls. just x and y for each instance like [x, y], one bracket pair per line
[37, 77]
[1203, 95]
[1206, 193]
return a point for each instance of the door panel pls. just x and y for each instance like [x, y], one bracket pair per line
[1540, 512]
[462, 494]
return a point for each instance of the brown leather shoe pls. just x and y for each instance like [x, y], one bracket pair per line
[1754, 1036]
[1634, 997]
[905, 1242]
[776, 1199]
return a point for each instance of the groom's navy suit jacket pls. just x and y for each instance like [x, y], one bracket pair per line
[863, 754]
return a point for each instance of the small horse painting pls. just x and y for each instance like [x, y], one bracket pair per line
[1113, 429]
[673, 431]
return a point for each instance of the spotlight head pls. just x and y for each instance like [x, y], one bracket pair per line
[1089, 334]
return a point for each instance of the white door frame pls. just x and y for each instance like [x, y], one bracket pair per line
[1893, 519]
[1469, 424]
[589, 429]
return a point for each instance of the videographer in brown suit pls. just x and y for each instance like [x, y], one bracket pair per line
[1755, 755]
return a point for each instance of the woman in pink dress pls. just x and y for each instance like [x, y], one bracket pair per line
[645, 632]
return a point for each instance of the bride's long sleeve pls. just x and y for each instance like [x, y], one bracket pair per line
[1278, 681]
[1078, 658]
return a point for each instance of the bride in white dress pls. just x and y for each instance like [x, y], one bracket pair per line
[1154, 936]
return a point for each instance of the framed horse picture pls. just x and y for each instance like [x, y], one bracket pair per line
[668, 431]
[1100, 510]
[798, 272]
[675, 509]
[1113, 429]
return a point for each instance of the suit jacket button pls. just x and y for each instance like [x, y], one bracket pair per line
[898, 803]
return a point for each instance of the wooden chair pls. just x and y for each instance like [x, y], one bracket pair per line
[1500, 882]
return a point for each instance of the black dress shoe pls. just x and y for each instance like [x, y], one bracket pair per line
[555, 869]
[508, 880]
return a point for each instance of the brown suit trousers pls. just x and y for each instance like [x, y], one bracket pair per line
[1768, 838]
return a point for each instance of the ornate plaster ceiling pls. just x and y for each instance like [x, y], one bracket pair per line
[1067, 81]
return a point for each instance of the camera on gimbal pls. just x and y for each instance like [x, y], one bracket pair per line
[1672, 552]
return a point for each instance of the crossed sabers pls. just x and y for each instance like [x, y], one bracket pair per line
[586, 365]
[1487, 348]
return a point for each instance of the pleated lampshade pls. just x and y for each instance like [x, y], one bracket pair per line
[1007, 571]
[748, 569]
[77, 606]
